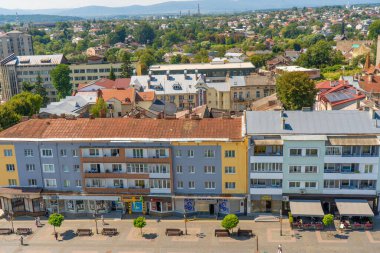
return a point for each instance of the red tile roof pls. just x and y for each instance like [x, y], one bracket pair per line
[119, 83]
[330, 84]
[126, 128]
[124, 96]
[145, 96]
[370, 86]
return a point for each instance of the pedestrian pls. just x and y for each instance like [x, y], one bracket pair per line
[56, 236]
[102, 217]
[279, 249]
[39, 221]
[36, 221]
[22, 241]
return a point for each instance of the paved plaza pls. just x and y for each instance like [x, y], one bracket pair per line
[200, 239]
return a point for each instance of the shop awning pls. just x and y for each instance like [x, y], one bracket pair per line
[354, 141]
[354, 207]
[268, 142]
[311, 208]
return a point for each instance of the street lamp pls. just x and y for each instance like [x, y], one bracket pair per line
[281, 222]
[96, 220]
[257, 244]
[11, 217]
[185, 218]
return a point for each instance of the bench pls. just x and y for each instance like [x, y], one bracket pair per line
[84, 232]
[173, 232]
[24, 231]
[245, 232]
[109, 231]
[222, 233]
[5, 231]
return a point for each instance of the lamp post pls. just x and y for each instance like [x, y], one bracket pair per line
[11, 217]
[96, 219]
[257, 244]
[185, 219]
[281, 222]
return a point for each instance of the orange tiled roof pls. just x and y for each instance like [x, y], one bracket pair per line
[145, 96]
[124, 96]
[126, 128]
[368, 86]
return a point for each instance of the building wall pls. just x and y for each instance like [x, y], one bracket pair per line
[240, 164]
[303, 161]
[5, 175]
[199, 161]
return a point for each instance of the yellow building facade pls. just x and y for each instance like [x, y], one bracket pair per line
[8, 166]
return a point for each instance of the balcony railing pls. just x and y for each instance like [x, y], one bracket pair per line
[268, 154]
[266, 186]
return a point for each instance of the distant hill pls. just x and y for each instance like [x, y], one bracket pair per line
[36, 18]
[207, 6]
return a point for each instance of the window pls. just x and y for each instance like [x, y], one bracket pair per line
[311, 152]
[65, 168]
[230, 185]
[311, 185]
[368, 168]
[229, 170]
[78, 183]
[180, 184]
[209, 153]
[94, 152]
[7, 152]
[137, 168]
[118, 183]
[30, 167]
[209, 169]
[266, 167]
[229, 153]
[48, 168]
[159, 168]
[138, 153]
[115, 152]
[10, 167]
[178, 153]
[32, 182]
[66, 183]
[117, 167]
[74, 152]
[294, 184]
[295, 152]
[191, 169]
[76, 167]
[140, 183]
[311, 169]
[160, 183]
[191, 184]
[333, 151]
[50, 183]
[63, 152]
[161, 153]
[331, 184]
[12, 182]
[47, 153]
[28, 152]
[179, 169]
[209, 185]
[294, 169]
[190, 153]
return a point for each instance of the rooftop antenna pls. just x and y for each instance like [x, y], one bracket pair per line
[199, 10]
[17, 20]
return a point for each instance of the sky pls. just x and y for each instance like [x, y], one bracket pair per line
[49, 4]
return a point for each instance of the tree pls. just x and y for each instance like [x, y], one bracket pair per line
[230, 221]
[139, 222]
[27, 86]
[328, 220]
[374, 30]
[176, 59]
[320, 55]
[8, 117]
[295, 90]
[56, 220]
[112, 75]
[99, 108]
[60, 77]
[126, 66]
[41, 90]
[260, 60]
[144, 33]
[25, 103]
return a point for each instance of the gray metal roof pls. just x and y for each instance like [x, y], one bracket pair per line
[312, 122]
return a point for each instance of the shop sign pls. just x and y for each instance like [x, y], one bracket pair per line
[153, 206]
[285, 198]
[189, 205]
[223, 206]
[266, 197]
[137, 206]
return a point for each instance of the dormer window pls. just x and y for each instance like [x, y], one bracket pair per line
[177, 86]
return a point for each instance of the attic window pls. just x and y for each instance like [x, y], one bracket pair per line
[177, 86]
[25, 60]
[47, 60]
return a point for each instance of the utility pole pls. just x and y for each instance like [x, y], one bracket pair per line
[281, 222]
[96, 219]
[257, 244]
[185, 219]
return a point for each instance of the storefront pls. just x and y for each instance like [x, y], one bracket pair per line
[210, 205]
[22, 201]
[160, 205]
[135, 204]
[266, 203]
[82, 204]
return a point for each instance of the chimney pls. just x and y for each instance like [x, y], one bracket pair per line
[167, 74]
[378, 51]
[196, 73]
[283, 124]
[150, 75]
[185, 73]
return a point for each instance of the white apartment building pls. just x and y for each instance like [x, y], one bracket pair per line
[15, 42]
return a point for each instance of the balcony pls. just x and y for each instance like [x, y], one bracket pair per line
[160, 190]
[153, 159]
[349, 191]
[132, 191]
[116, 175]
[265, 190]
[266, 175]
[104, 159]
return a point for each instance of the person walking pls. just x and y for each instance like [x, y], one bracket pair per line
[102, 217]
[56, 236]
[22, 241]
[279, 250]
[38, 221]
